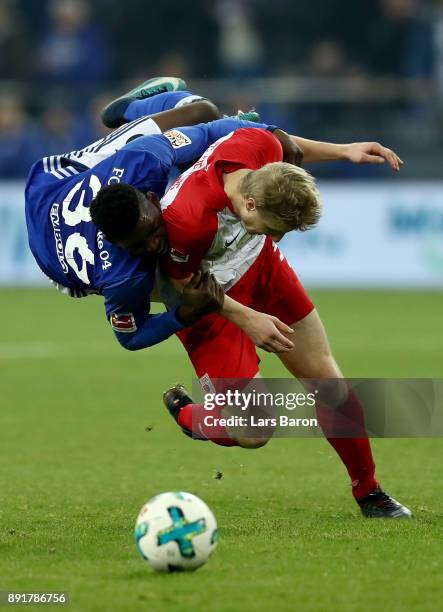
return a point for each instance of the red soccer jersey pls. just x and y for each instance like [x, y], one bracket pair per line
[202, 226]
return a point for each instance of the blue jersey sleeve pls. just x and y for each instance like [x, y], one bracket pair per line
[189, 143]
[179, 146]
[127, 309]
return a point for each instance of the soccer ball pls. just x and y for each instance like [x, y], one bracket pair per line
[176, 532]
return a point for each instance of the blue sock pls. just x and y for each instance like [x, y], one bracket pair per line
[154, 104]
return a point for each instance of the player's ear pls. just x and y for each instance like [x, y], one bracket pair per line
[153, 198]
[250, 204]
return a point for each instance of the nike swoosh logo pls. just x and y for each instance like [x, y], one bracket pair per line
[228, 244]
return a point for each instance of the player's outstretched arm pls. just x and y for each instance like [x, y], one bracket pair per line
[356, 152]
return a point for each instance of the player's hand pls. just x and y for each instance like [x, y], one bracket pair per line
[292, 154]
[267, 332]
[372, 153]
[201, 296]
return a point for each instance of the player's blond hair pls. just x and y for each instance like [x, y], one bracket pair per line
[284, 193]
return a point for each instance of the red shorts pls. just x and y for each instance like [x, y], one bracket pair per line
[219, 348]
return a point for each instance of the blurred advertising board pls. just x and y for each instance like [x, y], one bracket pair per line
[17, 265]
[372, 235]
[380, 235]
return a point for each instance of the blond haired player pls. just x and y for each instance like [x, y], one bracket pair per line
[225, 216]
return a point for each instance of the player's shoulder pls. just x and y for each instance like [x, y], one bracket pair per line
[249, 148]
[250, 135]
[188, 197]
[191, 219]
[254, 132]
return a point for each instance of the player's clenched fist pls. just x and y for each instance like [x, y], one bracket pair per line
[201, 295]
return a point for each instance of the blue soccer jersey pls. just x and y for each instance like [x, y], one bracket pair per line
[74, 254]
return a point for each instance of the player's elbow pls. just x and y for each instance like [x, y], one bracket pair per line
[135, 342]
[129, 342]
[204, 111]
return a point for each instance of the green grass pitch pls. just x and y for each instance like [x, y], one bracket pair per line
[85, 441]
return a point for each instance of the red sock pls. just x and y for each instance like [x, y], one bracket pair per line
[355, 452]
[192, 417]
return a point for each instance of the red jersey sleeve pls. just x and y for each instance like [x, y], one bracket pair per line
[190, 233]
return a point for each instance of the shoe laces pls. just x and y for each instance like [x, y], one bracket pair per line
[153, 90]
[383, 499]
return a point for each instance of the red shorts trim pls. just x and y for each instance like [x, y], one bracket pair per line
[219, 348]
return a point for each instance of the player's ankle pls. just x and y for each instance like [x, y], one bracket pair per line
[363, 487]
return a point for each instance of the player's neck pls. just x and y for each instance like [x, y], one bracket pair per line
[231, 184]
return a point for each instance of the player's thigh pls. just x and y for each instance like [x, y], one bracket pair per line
[282, 294]
[224, 358]
[218, 349]
[311, 356]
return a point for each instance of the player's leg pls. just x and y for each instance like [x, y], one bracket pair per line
[311, 358]
[281, 294]
[200, 424]
[201, 108]
[218, 350]
[113, 115]
[155, 96]
[166, 101]
[189, 114]
[164, 94]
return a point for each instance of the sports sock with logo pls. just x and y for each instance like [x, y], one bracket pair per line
[192, 417]
[355, 450]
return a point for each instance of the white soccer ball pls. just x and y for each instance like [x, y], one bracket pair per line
[176, 532]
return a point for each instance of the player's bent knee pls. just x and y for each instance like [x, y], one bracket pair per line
[205, 111]
[322, 366]
[252, 442]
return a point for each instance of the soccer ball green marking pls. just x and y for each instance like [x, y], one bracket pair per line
[140, 531]
[176, 532]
